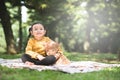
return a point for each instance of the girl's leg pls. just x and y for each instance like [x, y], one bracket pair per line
[27, 58]
[48, 60]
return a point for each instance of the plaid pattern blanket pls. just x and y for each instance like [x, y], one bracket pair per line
[73, 67]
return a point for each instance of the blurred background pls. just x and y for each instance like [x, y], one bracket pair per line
[83, 26]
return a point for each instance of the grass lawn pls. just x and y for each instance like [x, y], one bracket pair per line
[27, 74]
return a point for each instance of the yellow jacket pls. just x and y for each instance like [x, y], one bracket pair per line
[35, 47]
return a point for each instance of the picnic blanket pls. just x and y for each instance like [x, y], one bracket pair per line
[73, 67]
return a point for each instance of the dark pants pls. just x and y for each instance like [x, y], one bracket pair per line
[48, 60]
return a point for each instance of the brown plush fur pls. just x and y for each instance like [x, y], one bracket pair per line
[52, 48]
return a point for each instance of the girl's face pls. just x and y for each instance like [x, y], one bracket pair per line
[38, 31]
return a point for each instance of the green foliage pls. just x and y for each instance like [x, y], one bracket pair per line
[72, 22]
[104, 25]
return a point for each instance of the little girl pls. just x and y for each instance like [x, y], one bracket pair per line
[35, 52]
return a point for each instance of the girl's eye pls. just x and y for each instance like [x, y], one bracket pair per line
[41, 29]
[36, 29]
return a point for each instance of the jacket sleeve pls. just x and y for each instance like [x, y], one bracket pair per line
[29, 49]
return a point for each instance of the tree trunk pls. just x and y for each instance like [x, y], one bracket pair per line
[5, 20]
[118, 54]
[86, 44]
[20, 28]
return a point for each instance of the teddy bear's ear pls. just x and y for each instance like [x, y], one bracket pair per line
[52, 45]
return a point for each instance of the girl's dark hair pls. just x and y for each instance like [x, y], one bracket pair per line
[30, 29]
[29, 32]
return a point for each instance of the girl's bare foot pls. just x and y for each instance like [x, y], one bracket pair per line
[29, 63]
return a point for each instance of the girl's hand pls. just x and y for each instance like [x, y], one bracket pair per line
[57, 55]
[40, 57]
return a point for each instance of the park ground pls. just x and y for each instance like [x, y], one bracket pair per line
[27, 74]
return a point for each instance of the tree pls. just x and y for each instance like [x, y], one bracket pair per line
[80, 25]
[6, 24]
